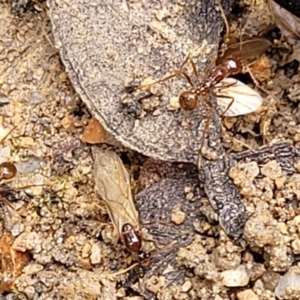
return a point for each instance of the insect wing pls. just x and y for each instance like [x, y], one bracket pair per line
[113, 185]
[245, 99]
[285, 20]
[246, 50]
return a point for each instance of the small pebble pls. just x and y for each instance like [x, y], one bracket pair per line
[32, 269]
[288, 285]
[186, 286]
[86, 249]
[37, 97]
[235, 277]
[247, 295]
[178, 216]
[279, 182]
[272, 170]
[95, 254]
[67, 123]
[27, 241]
[29, 291]
[296, 246]
[29, 166]
[16, 229]
[26, 141]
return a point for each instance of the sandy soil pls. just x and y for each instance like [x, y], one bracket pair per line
[58, 242]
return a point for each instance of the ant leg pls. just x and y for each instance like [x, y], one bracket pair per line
[206, 126]
[210, 66]
[7, 203]
[257, 84]
[18, 189]
[177, 73]
[224, 85]
[195, 69]
[112, 276]
[226, 35]
[187, 77]
[199, 161]
[7, 134]
[185, 62]
[228, 106]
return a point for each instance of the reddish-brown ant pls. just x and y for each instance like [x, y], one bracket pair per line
[7, 171]
[131, 238]
[188, 99]
[113, 185]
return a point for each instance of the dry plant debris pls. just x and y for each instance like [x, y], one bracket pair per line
[12, 262]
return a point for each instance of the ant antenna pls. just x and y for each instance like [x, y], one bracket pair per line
[227, 34]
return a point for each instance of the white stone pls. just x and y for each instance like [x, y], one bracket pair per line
[235, 277]
[95, 254]
[288, 285]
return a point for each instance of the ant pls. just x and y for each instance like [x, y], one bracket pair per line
[7, 171]
[188, 99]
[113, 185]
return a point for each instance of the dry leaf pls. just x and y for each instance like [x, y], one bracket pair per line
[12, 263]
[261, 68]
[94, 133]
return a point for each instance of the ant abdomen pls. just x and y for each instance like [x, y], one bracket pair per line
[131, 238]
[7, 170]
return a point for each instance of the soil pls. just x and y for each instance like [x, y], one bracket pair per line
[58, 242]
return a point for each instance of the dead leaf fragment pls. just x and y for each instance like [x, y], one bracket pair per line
[261, 69]
[94, 133]
[12, 262]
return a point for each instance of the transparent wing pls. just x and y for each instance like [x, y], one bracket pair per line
[113, 185]
[245, 99]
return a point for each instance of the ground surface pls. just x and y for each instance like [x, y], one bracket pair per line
[59, 242]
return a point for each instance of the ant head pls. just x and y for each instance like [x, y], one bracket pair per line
[7, 170]
[131, 238]
[233, 64]
[188, 100]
